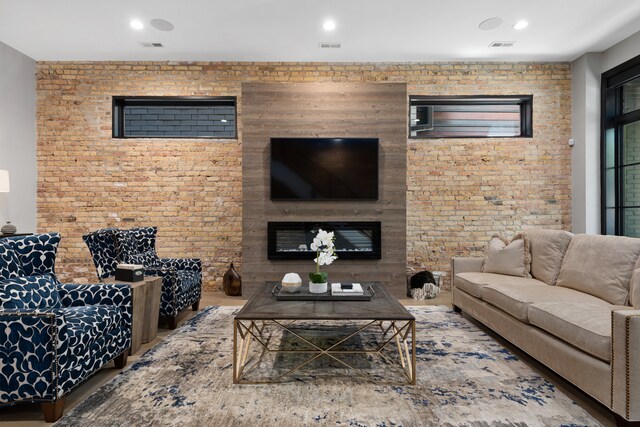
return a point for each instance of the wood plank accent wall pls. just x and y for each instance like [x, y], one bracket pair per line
[377, 110]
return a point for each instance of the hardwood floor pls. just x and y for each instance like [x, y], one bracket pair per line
[28, 415]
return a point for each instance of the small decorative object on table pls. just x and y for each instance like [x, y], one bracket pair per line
[8, 228]
[130, 272]
[325, 255]
[291, 282]
[232, 282]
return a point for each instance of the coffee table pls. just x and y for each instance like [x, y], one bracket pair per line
[383, 313]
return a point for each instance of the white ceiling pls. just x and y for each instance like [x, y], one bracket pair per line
[290, 30]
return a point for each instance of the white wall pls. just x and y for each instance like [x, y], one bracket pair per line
[585, 155]
[585, 119]
[622, 52]
[18, 138]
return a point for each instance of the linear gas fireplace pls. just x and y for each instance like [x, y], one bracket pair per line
[354, 240]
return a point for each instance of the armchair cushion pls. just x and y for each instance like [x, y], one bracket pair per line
[10, 265]
[76, 295]
[148, 259]
[193, 264]
[86, 324]
[29, 293]
[137, 245]
[102, 245]
[37, 253]
[145, 238]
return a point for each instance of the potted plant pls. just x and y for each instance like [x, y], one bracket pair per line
[325, 255]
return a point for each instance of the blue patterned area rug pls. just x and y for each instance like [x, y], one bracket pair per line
[465, 378]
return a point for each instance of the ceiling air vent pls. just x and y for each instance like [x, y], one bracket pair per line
[155, 44]
[327, 45]
[502, 44]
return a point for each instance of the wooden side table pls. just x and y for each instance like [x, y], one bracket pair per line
[146, 309]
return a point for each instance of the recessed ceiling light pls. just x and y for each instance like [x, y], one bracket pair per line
[521, 25]
[161, 24]
[490, 24]
[136, 24]
[329, 25]
[224, 120]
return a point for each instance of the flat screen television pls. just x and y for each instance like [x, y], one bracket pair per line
[324, 168]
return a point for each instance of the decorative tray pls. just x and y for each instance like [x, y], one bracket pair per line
[303, 294]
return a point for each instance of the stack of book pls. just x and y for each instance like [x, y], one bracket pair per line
[346, 289]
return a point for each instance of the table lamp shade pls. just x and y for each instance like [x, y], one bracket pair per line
[4, 181]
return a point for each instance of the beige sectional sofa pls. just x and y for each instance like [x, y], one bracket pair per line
[578, 313]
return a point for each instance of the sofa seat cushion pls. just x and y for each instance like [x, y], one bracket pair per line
[88, 323]
[585, 326]
[472, 282]
[516, 299]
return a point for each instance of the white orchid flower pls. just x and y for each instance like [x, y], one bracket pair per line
[324, 247]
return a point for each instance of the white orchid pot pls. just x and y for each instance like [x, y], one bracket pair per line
[317, 288]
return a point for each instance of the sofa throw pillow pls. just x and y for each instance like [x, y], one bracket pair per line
[547, 249]
[600, 266]
[29, 293]
[10, 265]
[37, 253]
[512, 258]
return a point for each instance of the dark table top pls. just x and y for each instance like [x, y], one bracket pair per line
[264, 306]
[2, 236]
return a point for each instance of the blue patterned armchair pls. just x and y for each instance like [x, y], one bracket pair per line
[181, 278]
[53, 336]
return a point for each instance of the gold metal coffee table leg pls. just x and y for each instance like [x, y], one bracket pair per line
[243, 335]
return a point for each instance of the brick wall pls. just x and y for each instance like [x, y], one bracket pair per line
[460, 191]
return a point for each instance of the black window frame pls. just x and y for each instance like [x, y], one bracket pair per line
[118, 103]
[525, 102]
[612, 117]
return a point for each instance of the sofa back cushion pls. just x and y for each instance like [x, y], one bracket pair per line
[29, 293]
[548, 248]
[10, 265]
[512, 258]
[600, 266]
[37, 253]
[634, 286]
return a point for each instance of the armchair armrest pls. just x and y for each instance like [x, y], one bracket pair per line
[193, 264]
[625, 363]
[465, 265]
[73, 295]
[33, 345]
